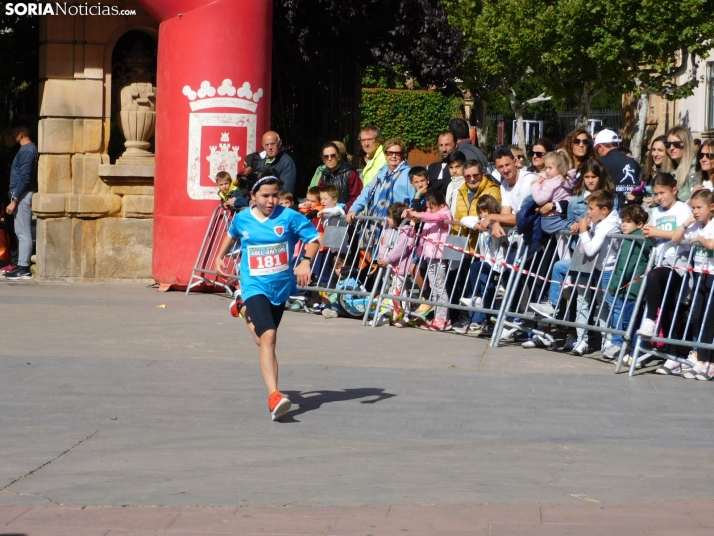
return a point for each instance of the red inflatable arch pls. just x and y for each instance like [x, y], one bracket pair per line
[213, 104]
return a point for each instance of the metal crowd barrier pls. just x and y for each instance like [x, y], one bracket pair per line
[582, 300]
[473, 281]
[356, 246]
[204, 269]
[678, 324]
[499, 288]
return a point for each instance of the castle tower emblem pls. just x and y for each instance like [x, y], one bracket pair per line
[223, 157]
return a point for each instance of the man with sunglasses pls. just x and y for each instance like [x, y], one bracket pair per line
[625, 171]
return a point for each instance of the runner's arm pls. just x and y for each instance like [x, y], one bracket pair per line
[226, 245]
[302, 269]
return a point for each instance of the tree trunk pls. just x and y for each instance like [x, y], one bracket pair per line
[481, 124]
[520, 131]
[584, 101]
[640, 125]
[518, 111]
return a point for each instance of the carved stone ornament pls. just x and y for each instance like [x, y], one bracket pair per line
[136, 89]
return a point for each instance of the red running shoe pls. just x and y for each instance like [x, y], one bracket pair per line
[235, 307]
[278, 405]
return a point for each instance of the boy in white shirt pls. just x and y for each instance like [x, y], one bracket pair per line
[595, 229]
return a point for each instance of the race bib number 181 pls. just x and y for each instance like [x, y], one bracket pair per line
[268, 259]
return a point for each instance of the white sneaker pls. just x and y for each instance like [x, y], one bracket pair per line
[707, 374]
[383, 321]
[580, 349]
[537, 342]
[471, 302]
[544, 309]
[570, 342]
[670, 368]
[699, 368]
[401, 323]
[611, 351]
[329, 313]
[647, 329]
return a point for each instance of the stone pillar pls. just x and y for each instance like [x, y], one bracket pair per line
[214, 85]
[87, 228]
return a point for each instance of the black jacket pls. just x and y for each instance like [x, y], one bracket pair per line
[285, 167]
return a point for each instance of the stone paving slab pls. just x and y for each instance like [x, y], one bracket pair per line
[155, 414]
[666, 517]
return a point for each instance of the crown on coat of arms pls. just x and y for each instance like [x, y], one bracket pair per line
[226, 96]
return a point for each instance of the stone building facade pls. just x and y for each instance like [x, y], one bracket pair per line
[94, 217]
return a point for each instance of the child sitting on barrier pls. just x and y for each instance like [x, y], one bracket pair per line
[663, 283]
[287, 200]
[483, 273]
[551, 192]
[419, 178]
[331, 212]
[595, 229]
[625, 282]
[311, 206]
[229, 192]
[395, 252]
[436, 228]
[699, 231]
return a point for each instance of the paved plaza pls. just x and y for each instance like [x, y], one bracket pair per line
[128, 411]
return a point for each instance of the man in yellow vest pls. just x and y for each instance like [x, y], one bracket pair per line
[371, 139]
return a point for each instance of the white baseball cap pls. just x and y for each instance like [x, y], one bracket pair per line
[607, 136]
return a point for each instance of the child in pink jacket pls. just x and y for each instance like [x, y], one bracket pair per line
[551, 191]
[395, 251]
[437, 223]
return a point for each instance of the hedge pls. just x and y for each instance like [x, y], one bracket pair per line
[416, 117]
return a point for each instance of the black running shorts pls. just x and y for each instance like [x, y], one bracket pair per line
[263, 314]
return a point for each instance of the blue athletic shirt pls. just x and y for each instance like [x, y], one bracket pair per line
[266, 249]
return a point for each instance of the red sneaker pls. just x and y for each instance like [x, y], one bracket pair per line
[278, 405]
[235, 307]
[8, 268]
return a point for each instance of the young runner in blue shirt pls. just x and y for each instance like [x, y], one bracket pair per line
[268, 233]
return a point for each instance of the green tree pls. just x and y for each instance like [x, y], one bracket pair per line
[508, 43]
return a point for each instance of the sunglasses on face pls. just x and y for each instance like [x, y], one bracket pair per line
[394, 153]
[475, 176]
[581, 141]
[537, 154]
[329, 156]
[708, 156]
[519, 157]
[675, 144]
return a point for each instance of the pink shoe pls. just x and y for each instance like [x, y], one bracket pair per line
[440, 325]
[8, 268]
[426, 325]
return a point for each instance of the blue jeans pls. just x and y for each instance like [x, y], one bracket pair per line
[585, 297]
[560, 270]
[480, 285]
[621, 316]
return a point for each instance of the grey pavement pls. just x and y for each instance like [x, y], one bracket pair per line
[108, 399]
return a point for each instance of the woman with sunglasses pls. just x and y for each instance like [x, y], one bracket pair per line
[680, 147]
[579, 145]
[390, 185]
[538, 152]
[339, 172]
[706, 163]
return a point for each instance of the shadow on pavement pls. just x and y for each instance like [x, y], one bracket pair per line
[312, 400]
